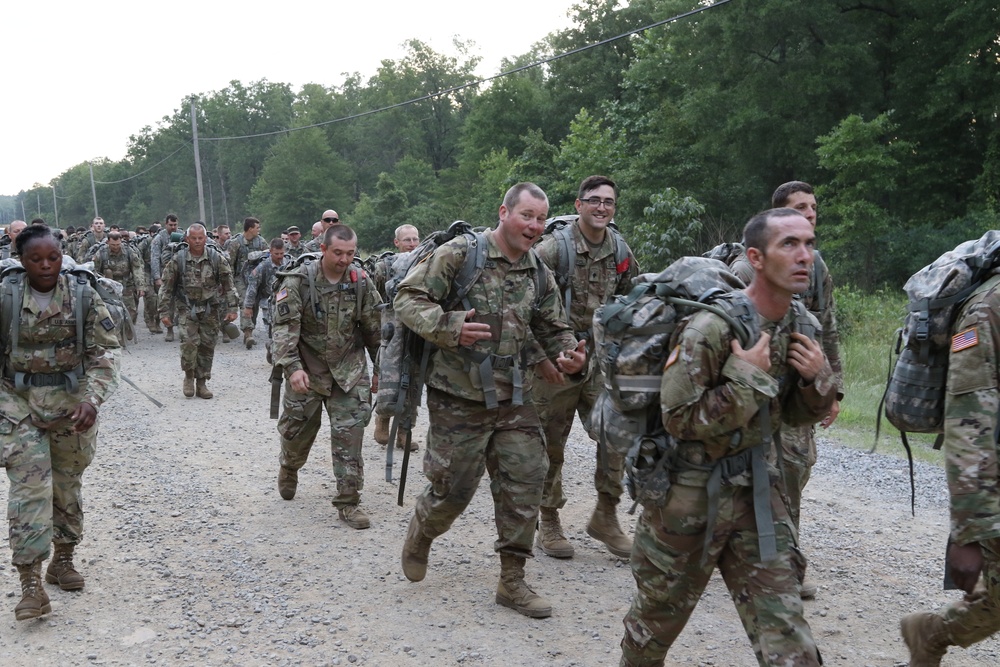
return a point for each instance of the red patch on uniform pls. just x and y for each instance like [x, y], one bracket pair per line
[622, 267]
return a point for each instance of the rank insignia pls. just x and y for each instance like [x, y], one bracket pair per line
[964, 340]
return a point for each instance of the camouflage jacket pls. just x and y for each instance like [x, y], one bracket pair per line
[380, 272]
[972, 404]
[707, 394]
[88, 240]
[199, 286]
[825, 312]
[239, 250]
[125, 267]
[156, 247]
[593, 282]
[503, 297]
[144, 247]
[329, 345]
[294, 252]
[47, 344]
[261, 283]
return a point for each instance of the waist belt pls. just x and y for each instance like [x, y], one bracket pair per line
[486, 363]
[23, 381]
[198, 307]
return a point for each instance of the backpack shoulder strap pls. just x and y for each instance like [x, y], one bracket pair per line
[472, 269]
[803, 320]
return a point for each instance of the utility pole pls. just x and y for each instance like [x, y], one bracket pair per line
[197, 162]
[93, 189]
[55, 207]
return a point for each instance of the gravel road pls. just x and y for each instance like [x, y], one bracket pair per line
[191, 557]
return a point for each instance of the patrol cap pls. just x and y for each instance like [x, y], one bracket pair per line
[293, 230]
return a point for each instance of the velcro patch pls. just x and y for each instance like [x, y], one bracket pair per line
[676, 352]
[283, 309]
[281, 295]
[964, 340]
[107, 324]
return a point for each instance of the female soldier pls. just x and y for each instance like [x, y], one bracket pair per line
[53, 385]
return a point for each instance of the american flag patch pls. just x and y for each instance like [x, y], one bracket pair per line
[281, 295]
[964, 339]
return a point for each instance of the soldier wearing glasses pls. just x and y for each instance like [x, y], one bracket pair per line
[329, 219]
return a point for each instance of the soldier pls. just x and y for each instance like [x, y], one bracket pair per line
[150, 306]
[261, 287]
[325, 317]
[53, 387]
[711, 395]
[191, 287]
[473, 430]
[294, 246]
[971, 454]
[329, 219]
[239, 248]
[406, 238]
[8, 247]
[798, 443]
[595, 275]
[90, 238]
[122, 263]
[156, 249]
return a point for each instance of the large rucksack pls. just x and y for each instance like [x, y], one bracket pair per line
[729, 252]
[13, 282]
[561, 229]
[915, 391]
[179, 250]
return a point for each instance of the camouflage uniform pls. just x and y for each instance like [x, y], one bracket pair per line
[328, 345]
[295, 251]
[239, 249]
[156, 248]
[798, 443]
[125, 266]
[972, 404]
[196, 298]
[44, 457]
[150, 306]
[88, 240]
[708, 396]
[468, 438]
[259, 290]
[595, 279]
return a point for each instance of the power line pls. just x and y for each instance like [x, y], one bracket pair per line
[183, 146]
[478, 82]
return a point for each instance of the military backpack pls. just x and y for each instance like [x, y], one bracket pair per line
[561, 229]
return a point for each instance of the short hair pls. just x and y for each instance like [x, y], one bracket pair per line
[220, 227]
[194, 226]
[97, 219]
[399, 230]
[338, 231]
[70, 230]
[32, 233]
[594, 182]
[37, 221]
[277, 243]
[248, 223]
[170, 217]
[780, 197]
[756, 233]
[115, 236]
[514, 194]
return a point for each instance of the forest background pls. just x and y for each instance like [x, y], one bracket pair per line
[890, 107]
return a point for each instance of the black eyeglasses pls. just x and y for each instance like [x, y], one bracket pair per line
[597, 201]
[331, 219]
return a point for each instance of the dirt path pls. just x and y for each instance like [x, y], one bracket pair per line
[191, 557]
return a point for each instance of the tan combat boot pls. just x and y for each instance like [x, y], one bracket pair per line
[248, 339]
[512, 592]
[34, 600]
[604, 526]
[382, 430]
[550, 535]
[202, 389]
[170, 335]
[401, 441]
[61, 569]
[926, 638]
[189, 383]
[355, 517]
[416, 550]
[288, 481]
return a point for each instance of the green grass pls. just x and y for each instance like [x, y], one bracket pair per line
[868, 325]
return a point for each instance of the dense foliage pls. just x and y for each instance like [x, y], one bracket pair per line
[890, 106]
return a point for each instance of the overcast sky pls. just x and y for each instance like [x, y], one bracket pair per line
[80, 77]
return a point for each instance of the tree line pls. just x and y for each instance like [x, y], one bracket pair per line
[890, 107]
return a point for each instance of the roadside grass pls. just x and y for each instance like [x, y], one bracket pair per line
[868, 325]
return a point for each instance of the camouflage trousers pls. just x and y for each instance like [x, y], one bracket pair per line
[556, 406]
[151, 306]
[349, 413]
[45, 468]
[976, 617]
[199, 334]
[670, 577]
[465, 440]
[245, 322]
[798, 454]
[131, 298]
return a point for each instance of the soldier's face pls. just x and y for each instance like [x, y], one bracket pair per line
[196, 240]
[115, 246]
[787, 263]
[596, 217]
[224, 234]
[338, 256]
[252, 232]
[805, 204]
[408, 239]
[42, 260]
[171, 226]
[277, 255]
[97, 226]
[521, 226]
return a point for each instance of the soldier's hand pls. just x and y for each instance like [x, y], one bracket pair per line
[374, 384]
[759, 355]
[832, 417]
[473, 331]
[230, 317]
[142, 293]
[248, 313]
[166, 321]
[157, 283]
[965, 564]
[806, 356]
[299, 381]
[548, 372]
[572, 361]
[84, 416]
